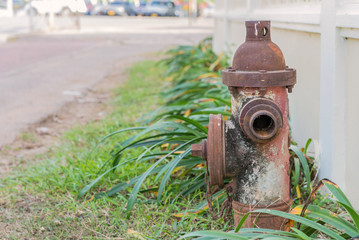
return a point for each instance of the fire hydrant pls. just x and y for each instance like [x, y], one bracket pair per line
[253, 146]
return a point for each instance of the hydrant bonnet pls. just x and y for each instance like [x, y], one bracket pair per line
[258, 62]
[258, 52]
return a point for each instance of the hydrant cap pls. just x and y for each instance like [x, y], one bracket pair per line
[258, 52]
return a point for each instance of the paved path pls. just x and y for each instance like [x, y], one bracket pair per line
[39, 73]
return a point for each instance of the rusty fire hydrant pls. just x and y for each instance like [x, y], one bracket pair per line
[253, 146]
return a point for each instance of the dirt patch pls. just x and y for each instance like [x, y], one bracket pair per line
[41, 137]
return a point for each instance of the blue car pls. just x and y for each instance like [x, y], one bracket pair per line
[159, 8]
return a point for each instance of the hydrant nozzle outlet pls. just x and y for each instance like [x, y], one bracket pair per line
[261, 120]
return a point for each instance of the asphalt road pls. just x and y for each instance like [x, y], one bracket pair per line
[39, 73]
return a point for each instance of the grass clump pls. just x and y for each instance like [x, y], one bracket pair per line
[195, 91]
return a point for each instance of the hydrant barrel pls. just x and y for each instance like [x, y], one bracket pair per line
[257, 148]
[252, 147]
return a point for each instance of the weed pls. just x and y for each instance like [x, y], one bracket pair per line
[29, 137]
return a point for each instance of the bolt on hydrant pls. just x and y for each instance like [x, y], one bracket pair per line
[253, 146]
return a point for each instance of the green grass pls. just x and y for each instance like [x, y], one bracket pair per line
[41, 202]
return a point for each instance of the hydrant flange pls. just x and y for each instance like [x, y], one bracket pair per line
[212, 150]
[261, 78]
[215, 150]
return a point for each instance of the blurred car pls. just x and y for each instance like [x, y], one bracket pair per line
[206, 9]
[17, 4]
[97, 9]
[207, 12]
[119, 8]
[159, 8]
[179, 11]
[139, 8]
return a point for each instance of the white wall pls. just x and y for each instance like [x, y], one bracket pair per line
[352, 119]
[321, 40]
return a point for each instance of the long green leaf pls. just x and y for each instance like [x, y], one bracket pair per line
[212, 112]
[309, 141]
[266, 236]
[190, 121]
[334, 220]
[353, 214]
[204, 203]
[150, 149]
[337, 192]
[197, 180]
[304, 163]
[92, 183]
[201, 183]
[170, 125]
[265, 232]
[296, 172]
[121, 131]
[155, 142]
[133, 195]
[89, 186]
[121, 186]
[142, 142]
[241, 222]
[170, 167]
[228, 103]
[167, 166]
[302, 220]
[301, 234]
[214, 234]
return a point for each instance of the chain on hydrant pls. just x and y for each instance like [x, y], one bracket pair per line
[253, 146]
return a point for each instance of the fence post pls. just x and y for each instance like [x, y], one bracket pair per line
[10, 8]
[226, 27]
[332, 128]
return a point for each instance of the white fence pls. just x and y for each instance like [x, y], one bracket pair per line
[321, 40]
